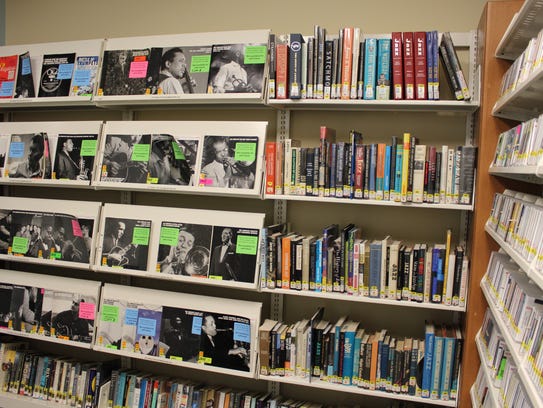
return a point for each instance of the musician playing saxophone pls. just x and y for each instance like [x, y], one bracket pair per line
[173, 77]
[67, 168]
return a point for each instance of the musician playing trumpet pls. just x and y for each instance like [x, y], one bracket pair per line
[173, 77]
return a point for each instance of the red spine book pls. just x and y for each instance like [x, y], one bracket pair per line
[347, 64]
[397, 65]
[408, 66]
[421, 67]
[270, 167]
[281, 70]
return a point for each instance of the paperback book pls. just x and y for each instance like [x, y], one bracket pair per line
[148, 330]
[74, 156]
[85, 75]
[124, 72]
[28, 156]
[180, 334]
[56, 75]
[8, 75]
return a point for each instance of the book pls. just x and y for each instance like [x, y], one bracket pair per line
[409, 65]
[84, 77]
[180, 331]
[446, 40]
[467, 174]
[74, 157]
[28, 156]
[8, 75]
[281, 67]
[148, 321]
[24, 86]
[421, 68]
[295, 66]
[56, 75]
[370, 68]
[124, 72]
[237, 68]
[347, 62]
[382, 90]
[418, 173]
[271, 67]
[264, 336]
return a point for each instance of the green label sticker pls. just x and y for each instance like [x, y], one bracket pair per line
[110, 313]
[200, 63]
[216, 277]
[245, 152]
[246, 244]
[111, 346]
[169, 236]
[255, 54]
[56, 255]
[141, 236]
[141, 152]
[176, 358]
[88, 148]
[177, 152]
[20, 245]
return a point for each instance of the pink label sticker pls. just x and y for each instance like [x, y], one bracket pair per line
[138, 69]
[206, 182]
[42, 291]
[76, 228]
[87, 310]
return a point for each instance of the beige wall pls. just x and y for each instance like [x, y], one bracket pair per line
[34, 21]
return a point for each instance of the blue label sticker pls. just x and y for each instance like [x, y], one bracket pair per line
[16, 149]
[196, 325]
[6, 89]
[242, 332]
[146, 327]
[82, 77]
[25, 69]
[131, 317]
[65, 71]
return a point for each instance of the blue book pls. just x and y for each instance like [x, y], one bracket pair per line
[398, 173]
[375, 268]
[373, 171]
[438, 263]
[333, 372]
[382, 90]
[348, 352]
[437, 363]
[386, 186]
[318, 265]
[429, 338]
[370, 68]
[447, 365]
[356, 359]
[430, 66]
[119, 397]
[383, 371]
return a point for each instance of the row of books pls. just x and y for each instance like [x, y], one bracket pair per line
[502, 367]
[346, 353]
[115, 154]
[403, 171]
[517, 218]
[528, 62]
[521, 145]
[349, 66]
[341, 261]
[45, 377]
[215, 68]
[519, 301]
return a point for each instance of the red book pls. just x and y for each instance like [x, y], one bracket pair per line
[408, 66]
[279, 168]
[281, 70]
[421, 67]
[8, 74]
[270, 167]
[397, 66]
[347, 62]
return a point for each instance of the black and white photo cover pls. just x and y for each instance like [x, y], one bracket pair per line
[129, 326]
[126, 158]
[167, 163]
[180, 334]
[73, 238]
[74, 156]
[29, 156]
[110, 327]
[229, 162]
[234, 254]
[184, 249]
[4, 143]
[124, 72]
[33, 234]
[126, 243]
[31, 308]
[225, 341]
[24, 86]
[5, 230]
[6, 314]
[148, 330]
[46, 311]
[72, 316]
[56, 75]
[237, 68]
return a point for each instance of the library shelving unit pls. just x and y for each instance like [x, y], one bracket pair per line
[519, 24]
[297, 119]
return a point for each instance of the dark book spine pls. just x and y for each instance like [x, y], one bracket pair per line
[411, 168]
[420, 274]
[316, 357]
[467, 174]
[450, 75]
[316, 172]
[309, 171]
[295, 66]
[432, 162]
[459, 257]
[360, 83]
[339, 63]
[310, 67]
[438, 176]
[414, 270]
[348, 171]
[271, 83]
[328, 67]
[413, 371]
[367, 160]
[330, 172]
[339, 167]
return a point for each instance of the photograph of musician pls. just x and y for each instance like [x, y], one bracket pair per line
[114, 236]
[118, 159]
[232, 75]
[118, 248]
[218, 345]
[68, 323]
[174, 76]
[32, 164]
[180, 333]
[224, 259]
[31, 307]
[164, 167]
[5, 231]
[69, 164]
[221, 169]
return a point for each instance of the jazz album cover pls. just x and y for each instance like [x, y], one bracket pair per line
[46, 311]
[56, 75]
[126, 243]
[28, 156]
[5, 230]
[24, 86]
[5, 304]
[74, 156]
[84, 78]
[33, 234]
[229, 162]
[73, 238]
[31, 310]
[180, 333]
[171, 161]
[124, 72]
[110, 327]
[8, 75]
[237, 68]
[184, 249]
[234, 254]
[4, 143]
[148, 330]
[73, 315]
[129, 326]
[126, 158]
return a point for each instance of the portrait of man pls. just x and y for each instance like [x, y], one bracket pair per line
[224, 259]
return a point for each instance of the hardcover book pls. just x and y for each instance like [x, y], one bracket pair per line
[409, 65]
[124, 72]
[74, 156]
[56, 75]
[237, 68]
[397, 66]
[8, 75]
[84, 76]
[421, 69]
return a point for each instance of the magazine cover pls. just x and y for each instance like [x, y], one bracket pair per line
[46, 310]
[28, 156]
[225, 341]
[110, 330]
[124, 72]
[184, 249]
[8, 75]
[167, 163]
[72, 238]
[33, 234]
[5, 230]
[180, 70]
[180, 334]
[5, 304]
[126, 243]
[72, 316]
[24, 86]
[229, 161]
[126, 158]
[56, 75]
[129, 326]
[84, 78]
[74, 157]
[31, 310]
[237, 68]
[148, 330]
[234, 254]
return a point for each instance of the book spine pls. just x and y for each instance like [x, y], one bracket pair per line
[429, 66]
[328, 67]
[370, 68]
[310, 67]
[281, 70]
[428, 361]
[295, 66]
[397, 66]
[270, 167]
[383, 69]
[421, 69]
[321, 38]
[455, 63]
[408, 65]
[361, 69]
[450, 75]
[405, 166]
[346, 67]
[355, 63]
[359, 172]
[272, 65]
